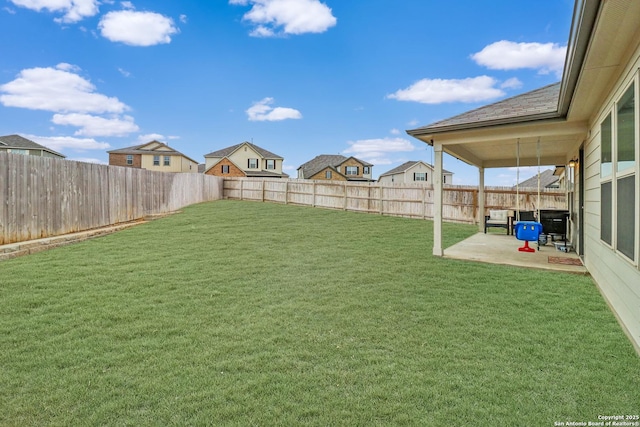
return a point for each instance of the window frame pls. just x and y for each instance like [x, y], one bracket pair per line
[129, 159]
[166, 161]
[418, 176]
[348, 170]
[619, 190]
[328, 174]
[252, 161]
[270, 164]
[156, 160]
[224, 169]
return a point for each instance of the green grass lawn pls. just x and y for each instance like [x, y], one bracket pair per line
[240, 313]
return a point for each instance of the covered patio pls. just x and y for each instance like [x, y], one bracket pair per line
[499, 248]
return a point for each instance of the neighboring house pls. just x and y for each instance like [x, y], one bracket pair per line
[154, 156]
[548, 179]
[336, 168]
[589, 120]
[19, 145]
[414, 171]
[244, 160]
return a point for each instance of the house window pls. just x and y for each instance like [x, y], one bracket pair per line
[327, 174]
[129, 159]
[156, 160]
[618, 185]
[271, 164]
[225, 168]
[351, 170]
[366, 170]
[419, 176]
[253, 164]
[18, 151]
[167, 160]
[626, 179]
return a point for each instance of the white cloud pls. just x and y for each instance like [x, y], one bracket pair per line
[97, 126]
[124, 72]
[58, 143]
[377, 150]
[184, 19]
[58, 90]
[127, 5]
[512, 83]
[74, 10]
[137, 28]
[438, 91]
[287, 16]
[507, 55]
[262, 111]
[395, 131]
[155, 136]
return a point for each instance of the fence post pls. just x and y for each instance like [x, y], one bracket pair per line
[345, 196]
[263, 180]
[380, 197]
[313, 202]
[424, 202]
[286, 192]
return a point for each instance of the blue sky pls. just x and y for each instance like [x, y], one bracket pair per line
[296, 77]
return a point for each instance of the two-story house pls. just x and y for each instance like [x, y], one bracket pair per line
[414, 171]
[17, 144]
[336, 167]
[154, 156]
[244, 160]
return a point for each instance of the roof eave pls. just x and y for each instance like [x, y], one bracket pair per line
[426, 132]
[583, 21]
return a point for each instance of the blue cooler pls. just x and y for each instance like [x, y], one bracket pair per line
[528, 230]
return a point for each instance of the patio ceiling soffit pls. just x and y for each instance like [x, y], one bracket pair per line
[494, 146]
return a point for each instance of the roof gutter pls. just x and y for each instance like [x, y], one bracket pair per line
[584, 19]
[483, 124]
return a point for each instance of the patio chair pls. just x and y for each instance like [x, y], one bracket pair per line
[497, 218]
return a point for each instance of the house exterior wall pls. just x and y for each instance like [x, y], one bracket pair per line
[242, 155]
[390, 179]
[353, 162]
[116, 159]
[321, 176]
[188, 166]
[241, 158]
[31, 152]
[617, 277]
[407, 176]
[174, 166]
[216, 169]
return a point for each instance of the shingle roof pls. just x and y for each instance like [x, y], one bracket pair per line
[138, 149]
[406, 165]
[17, 141]
[547, 178]
[537, 102]
[225, 152]
[323, 161]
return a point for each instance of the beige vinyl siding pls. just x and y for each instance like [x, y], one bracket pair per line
[617, 277]
[210, 161]
[175, 166]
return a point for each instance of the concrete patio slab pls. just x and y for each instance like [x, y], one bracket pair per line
[500, 248]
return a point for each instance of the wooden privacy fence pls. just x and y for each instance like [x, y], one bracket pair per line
[460, 203]
[43, 197]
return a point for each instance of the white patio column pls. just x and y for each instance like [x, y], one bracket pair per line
[437, 200]
[481, 199]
